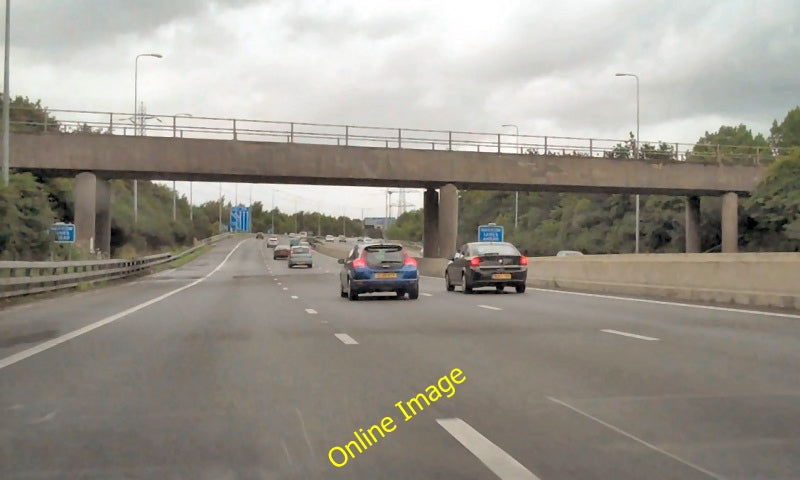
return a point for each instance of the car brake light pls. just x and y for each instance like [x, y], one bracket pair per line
[523, 260]
[475, 261]
[359, 263]
[410, 261]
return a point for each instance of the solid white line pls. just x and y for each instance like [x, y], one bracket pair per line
[346, 339]
[499, 462]
[632, 335]
[426, 294]
[311, 311]
[673, 304]
[19, 356]
[294, 297]
[489, 307]
[637, 439]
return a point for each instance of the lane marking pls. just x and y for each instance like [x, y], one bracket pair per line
[346, 339]
[426, 294]
[626, 334]
[286, 288]
[311, 311]
[637, 439]
[280, 283]
[674, 304]
[495, 458]
[294, 297]
[489, 307]
[19, 356]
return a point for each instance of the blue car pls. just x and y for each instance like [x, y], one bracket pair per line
[379, 267]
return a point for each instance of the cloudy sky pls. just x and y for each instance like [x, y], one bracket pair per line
[547, 66]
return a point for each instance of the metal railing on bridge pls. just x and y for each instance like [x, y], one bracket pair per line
[187, 126]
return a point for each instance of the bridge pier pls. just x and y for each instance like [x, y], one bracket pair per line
[430, 225]
[92, 213]
[448, 219]
[692, 228]
[730, 223]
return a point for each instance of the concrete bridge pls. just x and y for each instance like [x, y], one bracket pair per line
[441, 167]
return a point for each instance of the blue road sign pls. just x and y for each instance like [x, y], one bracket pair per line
[240, 219]
[63, 232]
[490, 233]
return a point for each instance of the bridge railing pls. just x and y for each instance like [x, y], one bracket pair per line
[27, 278]
[188, 126]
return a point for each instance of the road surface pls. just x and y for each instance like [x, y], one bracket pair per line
[235, 367]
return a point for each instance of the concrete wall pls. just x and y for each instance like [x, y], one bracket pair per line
[267, 162]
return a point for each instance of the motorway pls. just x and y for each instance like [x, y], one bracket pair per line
[235, 367]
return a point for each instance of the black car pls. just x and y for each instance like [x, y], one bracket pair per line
[259, 235]
[487, 264]
[379, 267]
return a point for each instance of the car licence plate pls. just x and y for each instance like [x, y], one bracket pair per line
[501, 276]
[385, 275]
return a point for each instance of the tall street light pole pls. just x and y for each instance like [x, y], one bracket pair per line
[516, 194]
[191, 207]
[635, 147]
[6, 94]
[136, 122]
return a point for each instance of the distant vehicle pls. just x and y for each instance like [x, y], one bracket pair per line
[329, 238]
[303, 234]
[342, 239]
[259, 235]
[294, 241]
[487, 264]
[568, 253]
[367, 239]
[272, 242]
[281, 252]
[360, 239]
[378, 268]
[300, 255]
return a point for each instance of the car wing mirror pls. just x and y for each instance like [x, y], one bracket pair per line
[451, 257]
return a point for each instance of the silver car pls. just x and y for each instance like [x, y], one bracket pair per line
[300, 255]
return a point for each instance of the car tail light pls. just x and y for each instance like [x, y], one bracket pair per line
[523, 260]
[359, 263]
[475, 261]
[410, 261]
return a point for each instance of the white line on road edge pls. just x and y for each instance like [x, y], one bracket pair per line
[632, 335]
[499, 462]
[19, 356]
[346, 339]
[294, 297]
[426, 294]
[637, 439]
[489, 307]
[672, 304]
[311, 311]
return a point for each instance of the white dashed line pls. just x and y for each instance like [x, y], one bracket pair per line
[637, 439]
[426, 294]
[311, 311]
[489, 307]
[499, 462]
[294, 297]
[346, 339]
[286, 288]
[632, 335]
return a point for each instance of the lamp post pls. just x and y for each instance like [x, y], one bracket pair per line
[635, 147]
[136, 122]
[6, 102]
[191, 207]
[516, 194]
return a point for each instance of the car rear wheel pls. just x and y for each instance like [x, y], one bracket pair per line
[450, 286]
[342, 293]
[413, 292]
[521, 288]
[464, 284]
[500, 288]
[352, 295]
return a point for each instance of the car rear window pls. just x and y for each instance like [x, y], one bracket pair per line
[383, 254]
[493, 249]
[300, 250]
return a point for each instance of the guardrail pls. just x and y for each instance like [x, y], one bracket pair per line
[27, 278]
[189, 126]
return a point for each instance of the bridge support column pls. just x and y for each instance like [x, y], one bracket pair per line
[85, 205]
[448, 219]
[102, 219]
[430, 225]
[692, 229]
[730, 223]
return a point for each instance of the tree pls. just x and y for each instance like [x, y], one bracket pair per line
[27, 116]
[25, 217]
[786, 134]
[408, 226]
[774, 208]
[734, 145]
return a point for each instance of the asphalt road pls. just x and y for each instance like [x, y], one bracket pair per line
[235, 367]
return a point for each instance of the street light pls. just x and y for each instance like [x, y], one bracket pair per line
[516, 194]
[135, 123]
[635, 147]
[174, 194]
[6, 102]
